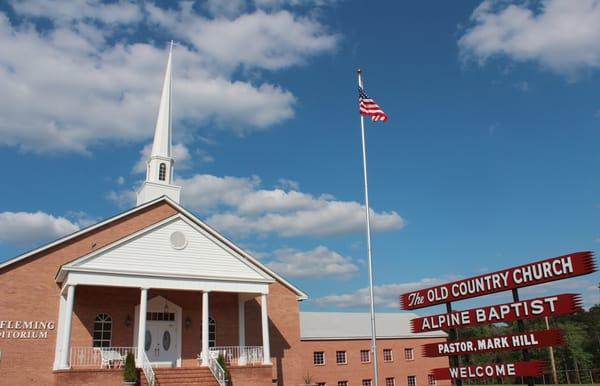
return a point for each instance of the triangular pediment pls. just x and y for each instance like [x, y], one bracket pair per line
[176, 247]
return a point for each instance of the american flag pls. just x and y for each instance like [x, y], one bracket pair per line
[368, 107]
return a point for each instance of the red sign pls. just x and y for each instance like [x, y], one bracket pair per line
[517, 369]
[526, 309]
[556, 268]
[524, 340]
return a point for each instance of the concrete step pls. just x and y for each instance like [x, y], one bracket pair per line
[182, 377]
[188, 382]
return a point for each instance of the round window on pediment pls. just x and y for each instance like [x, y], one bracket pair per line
[178, 240]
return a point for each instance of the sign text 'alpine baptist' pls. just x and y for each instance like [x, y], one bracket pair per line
[508, 312]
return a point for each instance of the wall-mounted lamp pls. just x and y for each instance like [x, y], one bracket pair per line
[188, 321]
[128, 321]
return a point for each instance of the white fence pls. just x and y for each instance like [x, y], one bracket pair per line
[100, 357]
[148, 370]
[217, 371]
[239, 355]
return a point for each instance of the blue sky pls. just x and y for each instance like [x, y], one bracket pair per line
[489, 158]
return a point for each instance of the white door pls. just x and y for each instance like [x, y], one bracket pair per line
[161, 342]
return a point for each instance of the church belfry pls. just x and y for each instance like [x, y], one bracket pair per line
[159, 169]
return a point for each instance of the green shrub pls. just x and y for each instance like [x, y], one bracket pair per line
[130, 374]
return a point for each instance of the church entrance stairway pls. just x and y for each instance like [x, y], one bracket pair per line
[200, 376]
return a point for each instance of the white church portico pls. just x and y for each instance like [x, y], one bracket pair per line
[175, 258]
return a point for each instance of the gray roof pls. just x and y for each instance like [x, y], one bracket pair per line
[357, 325]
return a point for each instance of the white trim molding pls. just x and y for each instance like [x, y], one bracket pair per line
[157, 282]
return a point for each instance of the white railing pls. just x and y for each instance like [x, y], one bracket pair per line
[217, 371]
[100, 357]
[148, 370]
[239, 355]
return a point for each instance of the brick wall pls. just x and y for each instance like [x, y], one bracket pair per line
[284, 331]
[91, 377]
[355, 371]
[251, 376]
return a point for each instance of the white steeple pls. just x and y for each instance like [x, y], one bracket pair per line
[162, 132]
[159, 170]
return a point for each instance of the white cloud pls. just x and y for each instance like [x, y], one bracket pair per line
[123, 198]
[332, 218]
[277, 4]
[385, 295]
[205, 192]
[561, 35]
[284, 183]
[66, 12]
[259, 39]
[239, 206]
[25, 228]
[316, 263]
[202, 156]
[69, 86]
[276, 200]
[234, 8]
[229, 8]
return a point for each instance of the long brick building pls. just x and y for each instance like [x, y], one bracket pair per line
[337, 347]
[158, 282]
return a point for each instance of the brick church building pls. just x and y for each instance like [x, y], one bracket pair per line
[158, 282]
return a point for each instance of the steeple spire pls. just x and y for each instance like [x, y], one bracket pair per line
[162, 133]
[159, 171]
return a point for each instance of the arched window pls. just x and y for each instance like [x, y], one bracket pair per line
[102, 330]
[162, 172]
[212, 332]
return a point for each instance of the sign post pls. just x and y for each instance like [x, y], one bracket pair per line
[554, 377]
[521, 324]
[453, 334]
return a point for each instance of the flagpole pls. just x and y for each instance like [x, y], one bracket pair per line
[368, 216]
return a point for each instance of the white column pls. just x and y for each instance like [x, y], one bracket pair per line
[142, 325]
[242, 319]
[66, 331]
[205, 328]
[59, 334]
[265, 330]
